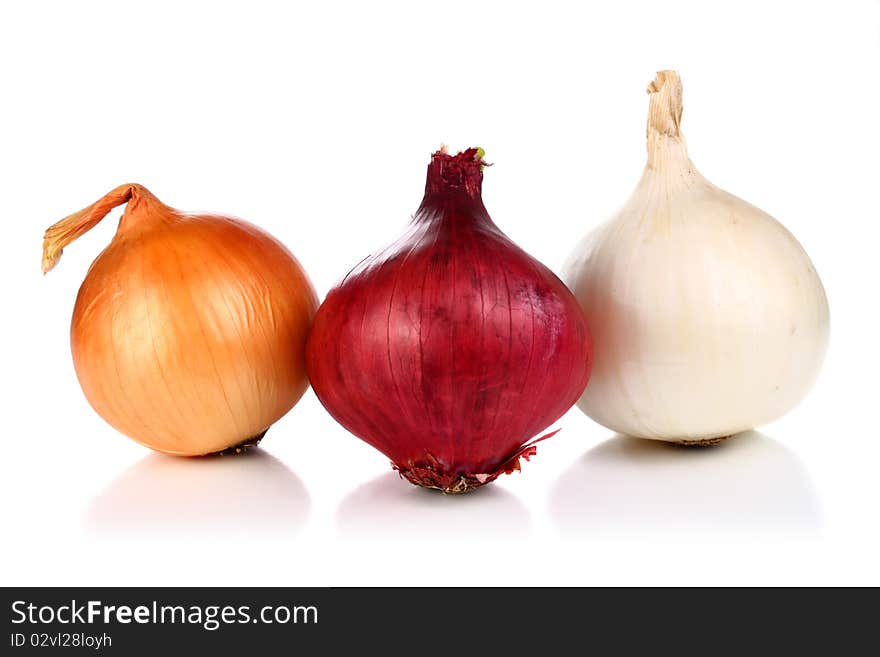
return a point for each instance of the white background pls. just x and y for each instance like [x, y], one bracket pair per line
[316, 121]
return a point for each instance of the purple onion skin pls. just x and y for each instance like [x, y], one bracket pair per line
[452, 347]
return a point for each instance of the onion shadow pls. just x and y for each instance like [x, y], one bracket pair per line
[750, 484]
[237, 495]
[389, 505]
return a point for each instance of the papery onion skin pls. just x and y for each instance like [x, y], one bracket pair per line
[188, 334]
[451, 347]
[707, 315]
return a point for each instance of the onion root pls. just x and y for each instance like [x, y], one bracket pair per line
[243, 446]
[703, 442]
[429, 473]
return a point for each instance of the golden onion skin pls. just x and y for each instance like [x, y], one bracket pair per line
[188, 334]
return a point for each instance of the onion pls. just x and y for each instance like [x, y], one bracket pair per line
[450, 348]
[189, 331]
[708, 317]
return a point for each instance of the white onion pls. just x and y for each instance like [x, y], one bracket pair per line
[708, 317]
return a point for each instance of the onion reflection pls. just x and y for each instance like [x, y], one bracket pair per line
[388, 505]
[231, 495]
[626, 485]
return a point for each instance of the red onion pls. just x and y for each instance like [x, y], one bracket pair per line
[450, 348]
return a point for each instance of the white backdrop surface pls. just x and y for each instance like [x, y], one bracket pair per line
[316, 121]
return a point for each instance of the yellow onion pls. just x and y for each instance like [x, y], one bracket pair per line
[189, 331]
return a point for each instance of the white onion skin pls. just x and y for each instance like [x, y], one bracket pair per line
[707, 316]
